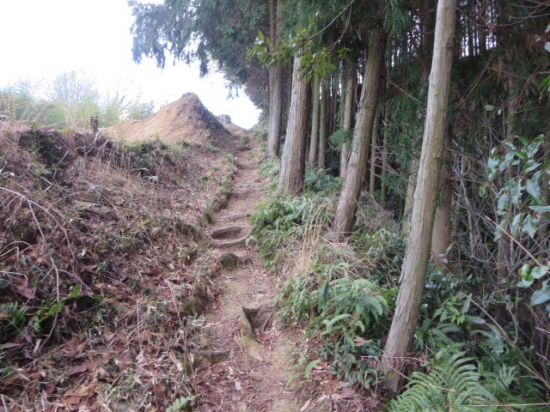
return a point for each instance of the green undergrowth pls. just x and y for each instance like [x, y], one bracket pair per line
[342, 295]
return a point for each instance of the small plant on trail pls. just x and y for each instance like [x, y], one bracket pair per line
[181, 404]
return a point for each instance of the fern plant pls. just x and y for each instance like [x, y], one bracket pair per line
[317, 180]
[458, 383]
[351, 309]
[452, 385]
[181, 404]
[15, 316]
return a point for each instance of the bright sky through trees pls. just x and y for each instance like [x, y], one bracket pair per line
[42, 39]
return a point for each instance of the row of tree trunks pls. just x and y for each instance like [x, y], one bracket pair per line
[347, 204]
[413, 276]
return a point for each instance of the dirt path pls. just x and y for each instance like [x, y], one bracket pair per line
[253, 374]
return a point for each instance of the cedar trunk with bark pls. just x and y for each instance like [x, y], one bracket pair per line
[323, 127]
[275, 86]
[413, 276]
[314, 122]
[292, 162]
[347, 204]
[441, 235]
[347, 115]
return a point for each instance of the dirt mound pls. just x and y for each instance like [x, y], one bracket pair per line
[186, 119]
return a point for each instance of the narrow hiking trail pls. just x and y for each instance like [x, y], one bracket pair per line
[252, 371]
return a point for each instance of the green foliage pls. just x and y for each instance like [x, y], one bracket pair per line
[300, 45]
[339, 137]
[319, 181]
[203, 31]
[298, 298]
[339, 313]
[140, 111]
[520, 202]
[331, 298]
[452, 385]
[384, 250]
[320, 35]
[14, 315]
[17, 318]
[350, 309]
[182, 403]
[270, 169]
[68, 102]
[349, 306]
[459, 383]
[281, 221]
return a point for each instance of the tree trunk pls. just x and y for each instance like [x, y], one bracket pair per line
[347, 204]
[417, 255]
[373, 152]
[314, 122]
[385, 133]
[275, 87]
[409, 196]
[333, 103]
[441, 235]
[347, 115]
[292, 165]
[384, 151]
[275, 110]
[323, 126]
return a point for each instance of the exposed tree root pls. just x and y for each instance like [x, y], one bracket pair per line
[202, 236]
[226, 232]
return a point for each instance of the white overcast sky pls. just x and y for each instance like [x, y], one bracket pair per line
[40, 39]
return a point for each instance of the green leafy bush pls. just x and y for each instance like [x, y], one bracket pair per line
[319, 181]
[521, 204]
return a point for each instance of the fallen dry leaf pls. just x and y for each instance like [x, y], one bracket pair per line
[89, 268]
[159, 390]
[263, 337]
[359, 341]
[48, 389]
[26, 292]
[77, 369]
[71, 400]
[347, 392]
[154, 270]
[305, 405]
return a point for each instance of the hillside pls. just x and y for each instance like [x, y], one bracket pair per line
[103, 258]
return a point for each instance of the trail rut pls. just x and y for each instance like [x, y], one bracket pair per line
[253, 374]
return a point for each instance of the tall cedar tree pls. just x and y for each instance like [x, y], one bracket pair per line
[293, 160]
[347, 204]
[413, 276]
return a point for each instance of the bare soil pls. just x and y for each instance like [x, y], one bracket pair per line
[186, 119]
[253, 374]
